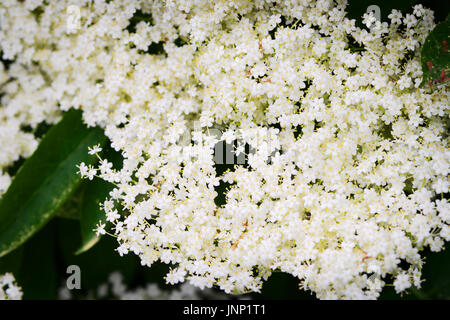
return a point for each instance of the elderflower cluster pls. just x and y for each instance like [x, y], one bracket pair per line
[8, 288]
[116, 289]
[344, 183]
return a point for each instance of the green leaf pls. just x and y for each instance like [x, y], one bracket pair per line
[71, 209]
[46, 180]
[94, 192]
[435, 55]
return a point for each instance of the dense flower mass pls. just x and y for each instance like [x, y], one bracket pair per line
[343, 184]
[8, 288]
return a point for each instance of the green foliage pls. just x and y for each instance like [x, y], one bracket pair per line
[71, 209]
[46, 180]
[92, 194]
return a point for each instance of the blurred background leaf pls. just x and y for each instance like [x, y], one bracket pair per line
[93, 192]
[71, 209]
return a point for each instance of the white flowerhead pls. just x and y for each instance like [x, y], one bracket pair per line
[343, 182]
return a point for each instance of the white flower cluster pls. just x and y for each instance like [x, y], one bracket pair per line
[346, 196]
[116, 289]
[8, 288]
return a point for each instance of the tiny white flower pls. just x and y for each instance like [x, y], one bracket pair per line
[100, 229]
[95, 149]
[83, 170]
